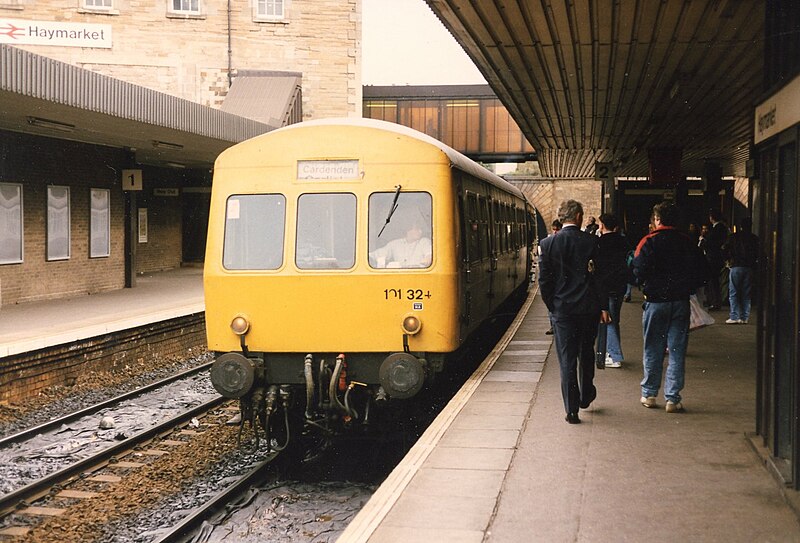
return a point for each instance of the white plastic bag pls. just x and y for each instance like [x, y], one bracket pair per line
[699, 316]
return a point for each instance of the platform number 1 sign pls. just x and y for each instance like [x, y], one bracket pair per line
[131, 179]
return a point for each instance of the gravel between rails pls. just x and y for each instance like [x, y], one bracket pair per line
[89, 389]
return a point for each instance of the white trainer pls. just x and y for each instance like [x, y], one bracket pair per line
[649, 401]
[673, 407]
[611, 363]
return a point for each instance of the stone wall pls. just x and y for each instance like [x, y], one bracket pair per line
[187, 55]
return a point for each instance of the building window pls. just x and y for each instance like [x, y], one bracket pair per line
[11, 4]
[98, 4]
[270, 10]
[185, 6]
[100, 223]
[58, 223]
[10, 223]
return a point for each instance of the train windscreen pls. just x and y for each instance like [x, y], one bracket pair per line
[400, 230]
[254, 231]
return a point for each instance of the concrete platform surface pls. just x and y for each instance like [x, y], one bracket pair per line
[503, 466]
[156, 297]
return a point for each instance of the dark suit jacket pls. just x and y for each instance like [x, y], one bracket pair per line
[566, 284]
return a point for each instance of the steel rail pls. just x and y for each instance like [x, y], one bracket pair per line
[195, 519]
[56, 423]
[41, 487]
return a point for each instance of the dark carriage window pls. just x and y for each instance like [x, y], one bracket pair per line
[254, 231]
[483, 228]
[472, 231]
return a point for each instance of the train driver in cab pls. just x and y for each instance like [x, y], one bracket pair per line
[410, 251]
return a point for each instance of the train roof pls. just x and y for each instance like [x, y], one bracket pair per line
[456, 159]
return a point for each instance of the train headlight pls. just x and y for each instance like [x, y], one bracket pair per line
[411, 324]
[240, 325]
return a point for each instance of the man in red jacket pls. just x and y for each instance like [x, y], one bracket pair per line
[669, 268]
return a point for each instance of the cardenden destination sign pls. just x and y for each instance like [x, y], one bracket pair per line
[20, 32]
[327, 169]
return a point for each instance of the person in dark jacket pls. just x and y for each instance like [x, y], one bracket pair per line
[613, 274]
[741, 253]
[669, 268]
[572, 294]
[717, 235]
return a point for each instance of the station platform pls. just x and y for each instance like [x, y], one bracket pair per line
[500, 464]
[156, 297]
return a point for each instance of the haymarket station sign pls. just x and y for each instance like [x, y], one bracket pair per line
[19, 32]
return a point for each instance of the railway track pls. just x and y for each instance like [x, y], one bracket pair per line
[48, 426]
[50, 485]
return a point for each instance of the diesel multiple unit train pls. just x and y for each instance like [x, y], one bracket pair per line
[346, 261]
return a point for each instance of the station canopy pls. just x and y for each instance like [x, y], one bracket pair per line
[618, 80]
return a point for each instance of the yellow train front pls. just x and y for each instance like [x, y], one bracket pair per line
[345, 260]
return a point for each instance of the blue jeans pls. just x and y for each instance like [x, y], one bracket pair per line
[665, 324]
[739, 287]
[613, 345]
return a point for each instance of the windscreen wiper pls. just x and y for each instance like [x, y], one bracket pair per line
[391, 209]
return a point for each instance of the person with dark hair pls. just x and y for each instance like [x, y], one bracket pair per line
[613, 274]
[591, 226]
[669, 268]
[572, 293]
[741, 253]
[717, 235]
[556, 226]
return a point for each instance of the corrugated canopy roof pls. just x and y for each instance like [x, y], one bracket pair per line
[607, 80]
[80, 105]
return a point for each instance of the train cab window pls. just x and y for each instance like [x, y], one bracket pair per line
[400, 230]
[254, 231]
[326, 231]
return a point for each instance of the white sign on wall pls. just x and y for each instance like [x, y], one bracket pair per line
[20, 32]
[778, 112]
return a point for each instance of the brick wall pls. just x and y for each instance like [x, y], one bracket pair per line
[28, 374]
[547, 194]
[188, 56]
[162, 251]
[35, 163]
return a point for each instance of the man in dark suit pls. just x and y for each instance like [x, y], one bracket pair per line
[572, 294]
